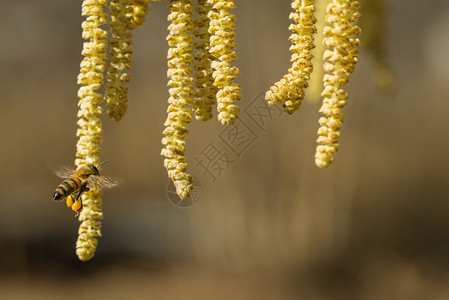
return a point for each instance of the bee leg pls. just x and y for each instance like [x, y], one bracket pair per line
[80, 209]
[82, 189]
[78, 204]
[70, 200]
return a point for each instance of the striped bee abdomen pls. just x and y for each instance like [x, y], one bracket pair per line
[67, 187]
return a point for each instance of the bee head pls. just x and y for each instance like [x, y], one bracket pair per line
[86, 170]
[90, 169]
[93, 169]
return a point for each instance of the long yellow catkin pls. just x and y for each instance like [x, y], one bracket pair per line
[125, 15]
[290, 89]
[204, 95]
[90, 126]
[180, 73]
[340, 57]
[222, 45]
[116, 89]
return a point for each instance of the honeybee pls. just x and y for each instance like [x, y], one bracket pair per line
[77, 182]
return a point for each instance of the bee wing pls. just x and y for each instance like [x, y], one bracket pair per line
[65, 172]
[102, 181]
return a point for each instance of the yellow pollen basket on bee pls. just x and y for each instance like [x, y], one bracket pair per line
[75, 204]
[77, 182]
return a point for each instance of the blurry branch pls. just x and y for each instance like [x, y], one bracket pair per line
[374, 39]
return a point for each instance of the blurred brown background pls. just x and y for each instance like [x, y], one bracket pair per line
[374, 225]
